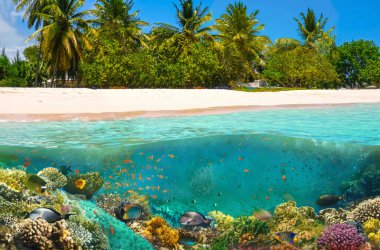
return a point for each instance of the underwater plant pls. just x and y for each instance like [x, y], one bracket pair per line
[341, 236]
[372, 230]
[241, 232]
[159, 233]
[92, 183]
[366, 210]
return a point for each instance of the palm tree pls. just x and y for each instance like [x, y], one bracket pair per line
[192, 29]
[312, 32]
[32, 7]
[63, 35]
[114, 17]
[240, 32]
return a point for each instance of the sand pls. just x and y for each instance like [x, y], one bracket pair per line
[88, 104]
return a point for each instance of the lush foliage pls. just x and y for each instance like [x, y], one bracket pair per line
[107, 47]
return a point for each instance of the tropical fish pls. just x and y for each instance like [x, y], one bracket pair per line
[187, 242]
[48, 214]
[27, 164]
[286, 237]
[194, 219]
[171, 156]
[240, 158]
[76, 171]
[127, 211]
[262, 215]
[246, 170]
[36, 184]
[65, 169]
[288, 197]
[328, 199]
[127, 161]
[112, 230]
[80, 183]
[283, 177]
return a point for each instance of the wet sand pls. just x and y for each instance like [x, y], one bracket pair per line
[24, 104]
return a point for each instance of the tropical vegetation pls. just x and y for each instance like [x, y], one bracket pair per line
[109, 46]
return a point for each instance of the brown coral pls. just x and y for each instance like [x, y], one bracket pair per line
[34, 234]
[366, 210]
[159, 233]
[54, 178]
[61, 236]
[331, 216]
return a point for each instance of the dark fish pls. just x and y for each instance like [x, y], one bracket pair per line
[126, 211]
[187, 242]
[36, 184]
[193, 219]
[328, 199]
[65, 170]
[48, 214]
[286, 237]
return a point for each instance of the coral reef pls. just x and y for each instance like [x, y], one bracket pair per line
[13, 178]
[341, 236]
[9, 194]
[372, 230]
[365, 210]
[54, 178]
[93, 183]
[159, 233]
[109, 202]
[39, 234]
[301, 221]
[6, 238]
[242, 232]
[331, 216]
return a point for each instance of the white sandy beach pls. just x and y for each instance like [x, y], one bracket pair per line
[42, 103]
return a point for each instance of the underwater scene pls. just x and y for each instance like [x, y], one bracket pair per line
[269, 179]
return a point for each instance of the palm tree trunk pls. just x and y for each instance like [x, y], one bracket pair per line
[36, 84]
[54, 72]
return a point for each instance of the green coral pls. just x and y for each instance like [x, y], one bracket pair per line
[54, 178]
[93, 183]
[301, 221]
[243, 232]
[14, 179]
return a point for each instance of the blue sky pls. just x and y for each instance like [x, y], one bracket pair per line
[352, 19]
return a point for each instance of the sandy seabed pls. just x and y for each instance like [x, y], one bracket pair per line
[18, 104]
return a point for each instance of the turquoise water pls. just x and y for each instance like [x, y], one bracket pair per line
[232, 162]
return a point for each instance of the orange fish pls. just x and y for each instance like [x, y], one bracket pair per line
[165, 191]
[127, 161]
[76, 171]
[154, 196]
[240, 158]
[95, 213]
[130, 191]
[27, 164]
[171, 156]
[140, 177]
[246, 170]
[140, 188]
[118, 184]
[148, 178]
[112, 230]
[151, 157]
[124, 170]
[107, 183]
[161, 176]
[111, 177]
[133, 176]
[283, 177]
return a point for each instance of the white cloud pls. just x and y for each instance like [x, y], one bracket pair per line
[12, 38]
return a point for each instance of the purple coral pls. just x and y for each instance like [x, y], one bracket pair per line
[341, 236]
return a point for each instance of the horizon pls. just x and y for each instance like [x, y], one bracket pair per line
[278, 18]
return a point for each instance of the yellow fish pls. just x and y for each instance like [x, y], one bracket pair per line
[80, 183]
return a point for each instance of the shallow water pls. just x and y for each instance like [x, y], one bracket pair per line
[232, 162]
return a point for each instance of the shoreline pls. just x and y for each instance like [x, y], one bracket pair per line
[40, 104]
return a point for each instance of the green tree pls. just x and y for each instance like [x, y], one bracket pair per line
[371, 73]
[192, 28]
[115, 20]
[63, 38]
[239, 33]
[353, 57]
[301, 67]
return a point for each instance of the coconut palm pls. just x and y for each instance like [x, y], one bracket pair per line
[63, 35]
[114, 17]
[240, 32]
[191, 28]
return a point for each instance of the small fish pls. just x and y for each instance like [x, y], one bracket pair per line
[65, 170]
[270, 189]
[36, 184]
[123, 170]
[154, 196]
[193, 219]
[127, 161]
[151, 157]
[220, 194]
[328, 199]
[187, 242]
[96, 214]
[288, 197]
[118, 184]
[80, 183]
[165, 191]
[111, 177]
[262, 215]
[171, 156]
[283, 177]
[47, 214]
[127, 211]
[240, 158]
[283, 164]
[112, 230]
[27, 164]
[286, 237]
[267, 197]
[246, 170]
[76, 171]
[161, 176]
